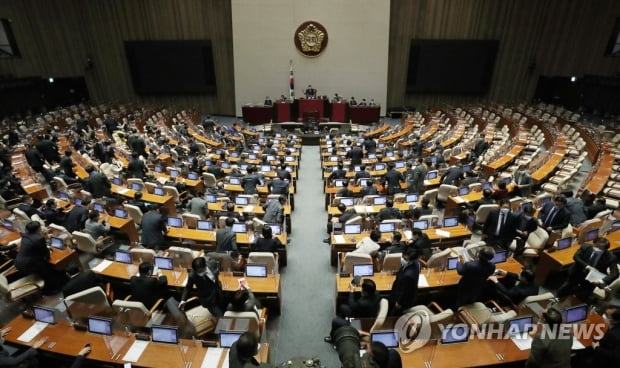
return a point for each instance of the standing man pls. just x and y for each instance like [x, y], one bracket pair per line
[473, 276]
[523, 182]
[251, 181]
[97, 183]
[554, 216]
[145, 288]
[393, 178]
[355, 154]
[153, 228]
[136, 167]
[205, 282]
[453, 175]
[405, 286]
[501, 225]
[67, 165]
[370, 145]
[225, 239]
[274, 213]
[415, 183]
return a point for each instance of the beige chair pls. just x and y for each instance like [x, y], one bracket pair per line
[534, 244]
[446, 191]
[255, 322]
[10, 204]
[191, 220]
[266, 258]
[536, 298]
[150, 187]
[87, 244]
[21, 215]
[135, 213]
[391, 262]
[351, 259]
[132, 313]
[135, 180]
[435, 316]
[483, 212]
[432, 220]
[438, 260]
[89, 302]
[608, 291]
[209, 180]
[62, 186]
[200, 318]
[354, 220]
[479, 313]
[174, 193]
[20, 288]
[431, 196]
[139, 255]
[182, 257]
[381, 315]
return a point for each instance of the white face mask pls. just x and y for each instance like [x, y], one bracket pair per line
[505, 210]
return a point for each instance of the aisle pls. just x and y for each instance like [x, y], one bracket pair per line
[308, 281]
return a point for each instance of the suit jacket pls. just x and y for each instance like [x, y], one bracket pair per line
[372, 190]
[452, 175]
[136, 168]
[225, 240]
[35, 159]
[416, 182]
[147, 289]
[550, 352]
[362, 174]
[364, 306]
[389, 214]
[49, 150]
[405, 287]
[560, 219]
[355, 154]
[66, 164]
[608, 354]
[577, 211]
[250, 182]
[473, 277]
[267, 245]
[605, 261]
[80, 282]
[518, 291]
[99, 185]
[153, 229]
[507, 232]
[33, 254]
[76, 218]
[209, 292]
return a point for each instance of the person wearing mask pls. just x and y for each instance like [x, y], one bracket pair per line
[225, 239]
[405, 287]
[205, 282]
[473, 276]
[552, 342]
[52, 214]
[606, 352]
[415, 179]
[267, 243]
[251, 181]
[576, 209]
[146, 287]
[514, 288]
[95, 228]
[527, 225]
[500, 226]
[523, 182]
[27, 206]
[554, 216]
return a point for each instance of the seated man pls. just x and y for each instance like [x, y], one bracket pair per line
[267, 243]
[513, 287]
[389, 212]
[243, 300]
[370, 244]
[242, 352]
[95, 228]
[337, 222]
[347, 343]
[145, 287]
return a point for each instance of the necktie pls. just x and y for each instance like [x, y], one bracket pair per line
[594, 258]
[550, 216]
[500, 222]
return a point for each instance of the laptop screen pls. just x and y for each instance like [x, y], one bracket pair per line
[420, 224]
[357, 168]
[389, 154]
[364, 182]
[379, 167]
[77, 201]
[387, 227]
[252, 156]
[520, 325]
[122, 257]
[115, 181]
[411, 198]
[576, 314]
[239, 228]
[452, 262]
[163, 263]
[289, 159]
[500, 257]
[276, 229]
[463, 191]
[507, 180]
[119, 212]
[8, 224]
[57, 243]
[227, 339]
[98, 207]
[450, 221]
[339, 183]
[256, 270]
[234, 181]
[159, 191]
[466, 168]
[333, 158]
[42, 314]
[242, 201]
[565, 243]
[174, 173]
[399, 164]
[192, 176]
[136, 186]
[429, 144]
[432, 175]
[211, 198]
[352, 228]
[175, 222]
[102, 326]
[455, 334]
[372, 156]
[164, 334]
[225, 165]
[347, 201]
[379, 201]
[363, 270]
[389, 338]
[159, 169]
[265, 168]
[204, 225]
[591, 234]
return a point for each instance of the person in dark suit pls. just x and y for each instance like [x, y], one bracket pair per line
[554, 216]
[415, 181]
[405, 287]
[145, 288]
[500, 228]
[268, 101]
[480, 146]
[473, 276]
[355, 154]
[364, 306]
[76, 218]
[370, 145]
[48, 149]
[527, 225]
[599, 205]
[606, 352]
[67, 165]
[551, 345]
[251, 181]
[79, 281]
[589, 258]
[514, 288]
[27, 206]
[138, 202]
[487, 198]
[389, 212]
[205, 282]
[369, 189]
[339, 173]
[36, 161]
[453, 175]
[33, 258]
[242, 351]
[523, 182]
[153, 228]
[267, 243]
[347, 339]
[52, 214]
[97, 183]
[136, 167]
[225, 239]
[279, 185]
[362, 173]
[138, 146]
[421, 242]
[392, 180]
[310, 92]
[24, 359]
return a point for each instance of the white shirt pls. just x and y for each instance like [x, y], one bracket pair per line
[367, 246]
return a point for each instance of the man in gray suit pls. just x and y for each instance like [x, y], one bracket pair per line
[523, 181]
[225, 239]
[198, 206]
[415, 182]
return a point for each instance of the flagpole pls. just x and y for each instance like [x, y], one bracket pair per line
[291, 90]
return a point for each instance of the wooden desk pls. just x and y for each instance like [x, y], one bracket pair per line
[7, 236]
[600, 177]
[60, 259]
[492, 167]
[550, 165]
[165, 200]
[68, 342]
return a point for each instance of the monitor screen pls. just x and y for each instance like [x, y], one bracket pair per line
[119, 212]
[265, 168]
[333, 158]
[347, 201]
[364, 182]
[452, 262]
[256, 270]
[42, 314]
[507, 180]
[357, 168]
[102, 326]
[204, 225]
[227, 339]
[339, 183]
[242, 201]
[457, 151]
[218, 151]
[411, 198]
[434, 159]
[98, 207]
[115, 181]
[159, 191]
[372, 156]
[466, 168]
[363, 270]
[592, 235]
[520, 325]
[487, 185]
[463, 191]
[174, 173]
[387, 227]
[500, 257]
[379, 201]
[211, 198]
[389, 154]
[122, 257]
[450, 221]
[389, 338]
[175, 222]
[64, 196]
[271, 158]
[208, 163]
[234, 154]
[576, 314]
[289, 159]
[455, 334]
[164, 334]
[379, 167]
[381, 145]
[159, 169]
[420, 224]
[57, 243]
[239, 228]
[77, 201]
[431, 175]
[225, 165]
[252, 156]
[136, 186]
[192, 176]
[429, 144]
[565, 243]
[276, 229]
[352, 228]
[234, 181]
[164, 263]
[8, 224]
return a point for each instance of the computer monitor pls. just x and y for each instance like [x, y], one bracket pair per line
[208, 163]
[411, 198]
[271, 158]
[242, 201]
[388, 338]
[211, 198]
[466, 168]
[372, 156]
[420, 224]
[500, 257]
[122, 257]
[256, 270]
[239, 227]
[507, 180]
[364, 182]
[98, 207]
[352, 228]
[455, 334]
[8, 224]
[387, 227]
[120, 213]
[452, 262]
[363, 269]
[399, 164]
[451, 221]
[99, 325]
[77, 201]
[432, 174]
[136, 186]
[379, 167]
[165, 334]
[43, 314]
[339, 183]
[289, 159]
[159, 191]
[520, 325]
[265, 168]
[228, 338]
[204, 225]
[115, 181]
[591, 235]
[565, 243]
[389, 154]
[164, 263]
[252, 156]
[433, 159]
[57, 243]
[333, 158]
[357, 168]
[379, 201]
[225, 165]
[192, 176]
[457, 151]
[64, 196]
[159, 169]
[234, 181]
[577, 313]
[487, 185]
[463, 191]
[175, 222]
[347, 201]
[381, 145]
[276, 229]
[174, 173]
[218, 151]
[429, 144]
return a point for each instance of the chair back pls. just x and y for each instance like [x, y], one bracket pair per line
[142, 255]
[182, 257]
[391, 262]
[85, 242]
[22, 214]
[483, 212]
[209, 180]
[267, 258]
[351, 259]
[172, 192]
[536, 298]
[89, 302]
[445, 191]
[251, 317]
[191, 220]
[131, 313]
[438, 260]
[134, 212]
[537, 239]
[354, 220]
[381, 316]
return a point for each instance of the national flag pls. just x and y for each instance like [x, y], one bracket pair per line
[291, 91]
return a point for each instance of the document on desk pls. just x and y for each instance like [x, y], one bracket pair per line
[360, 209]
[135, 351]
[162, 180]
[577, 345]
[522, 341]
[407, 234]
[338, 239]
[102, 266]
[32, 332]
[445, 234]
[249, 208]
[422, 281]
[122, 190]
[212, 357]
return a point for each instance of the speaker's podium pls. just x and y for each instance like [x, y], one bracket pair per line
[283, 111]
[315, 105]
[339, 111]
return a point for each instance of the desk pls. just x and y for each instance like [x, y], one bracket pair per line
[377, 131]
[600, 177]
[364, 114]
[69, 341]
[165, 200]
[60, 259]
[550, 165]
[310, 106]
[492, 167]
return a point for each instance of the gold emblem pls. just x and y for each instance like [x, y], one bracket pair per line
[311, 38]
